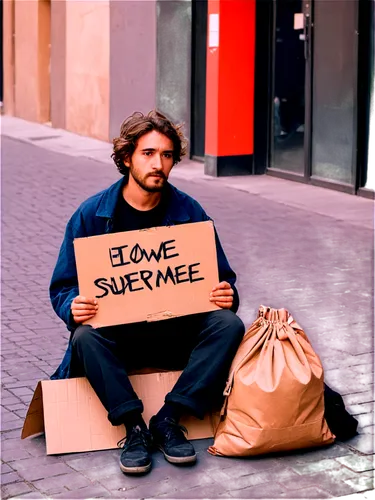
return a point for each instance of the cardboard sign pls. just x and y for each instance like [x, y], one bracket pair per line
[148, 275]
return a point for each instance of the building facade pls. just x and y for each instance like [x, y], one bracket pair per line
[263, 86]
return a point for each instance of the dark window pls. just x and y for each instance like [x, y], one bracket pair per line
[370, 164]
[198, 72]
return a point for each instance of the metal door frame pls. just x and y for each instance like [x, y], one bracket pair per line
[306, 177]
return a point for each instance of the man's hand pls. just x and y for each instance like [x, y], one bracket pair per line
[222, 295]
[83, 308]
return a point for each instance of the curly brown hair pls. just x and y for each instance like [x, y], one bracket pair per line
[137, 125]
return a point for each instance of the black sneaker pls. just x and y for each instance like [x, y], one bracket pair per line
[169, 437]
[135, 457]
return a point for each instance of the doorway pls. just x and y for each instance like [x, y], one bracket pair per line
[314, 101]
[198, 84]
[291, 73]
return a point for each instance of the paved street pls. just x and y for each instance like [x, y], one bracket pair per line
[304, 248]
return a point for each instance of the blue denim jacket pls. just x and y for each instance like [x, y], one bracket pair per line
[94, 217]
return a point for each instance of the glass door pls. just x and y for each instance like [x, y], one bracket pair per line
[369, 176]
[291, 83]
[334, 84]
[368, 51]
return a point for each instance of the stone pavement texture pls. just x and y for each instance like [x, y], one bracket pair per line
[304, 248]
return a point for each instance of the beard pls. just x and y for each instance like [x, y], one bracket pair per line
[142, 180]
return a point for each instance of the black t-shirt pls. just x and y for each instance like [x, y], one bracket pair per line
[128, 218]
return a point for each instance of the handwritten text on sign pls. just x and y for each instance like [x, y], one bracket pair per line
[171, 269]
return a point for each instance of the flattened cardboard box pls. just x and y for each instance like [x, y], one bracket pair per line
[148, 275]
[74, 420]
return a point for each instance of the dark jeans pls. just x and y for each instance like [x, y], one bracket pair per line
[203, 345]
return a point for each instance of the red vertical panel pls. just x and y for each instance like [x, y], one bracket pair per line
[230, 80]
[212, 88]
[236, 78]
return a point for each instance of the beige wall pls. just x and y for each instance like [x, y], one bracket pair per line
[87, 67]
[32, 59]
[132, 60]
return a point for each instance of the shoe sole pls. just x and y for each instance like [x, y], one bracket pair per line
[135, 470]
[179, 460]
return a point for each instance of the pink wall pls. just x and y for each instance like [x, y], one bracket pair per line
[87, 67]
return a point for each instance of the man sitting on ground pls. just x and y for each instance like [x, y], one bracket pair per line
[203, 345]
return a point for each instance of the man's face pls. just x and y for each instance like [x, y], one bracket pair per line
[151, 161]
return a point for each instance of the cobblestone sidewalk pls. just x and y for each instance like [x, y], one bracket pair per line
[300, 247]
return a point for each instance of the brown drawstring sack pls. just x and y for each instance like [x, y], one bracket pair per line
[274, 397]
